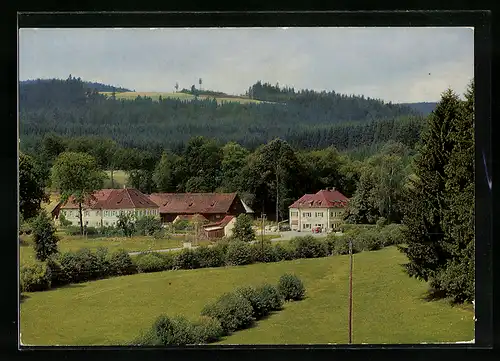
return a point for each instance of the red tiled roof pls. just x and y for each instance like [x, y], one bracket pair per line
[127, 198]
[191, 203]
[222, 223]
[322, 199]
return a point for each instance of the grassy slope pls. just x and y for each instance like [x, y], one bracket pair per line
[120, 179]
[388, 306]
[181, 96]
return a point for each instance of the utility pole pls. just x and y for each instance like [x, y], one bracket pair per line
[350, 291]
[262, 232]
[277, 197]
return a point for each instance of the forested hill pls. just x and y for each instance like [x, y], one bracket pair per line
[425, 108]
[310, 120]
[89, 85]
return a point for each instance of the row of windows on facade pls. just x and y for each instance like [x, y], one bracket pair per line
[147, 212]
[317, 214]
[308, 225]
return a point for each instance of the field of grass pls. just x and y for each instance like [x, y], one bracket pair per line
[182, 96]
[120, 178]
[389, 307]
[73, 243]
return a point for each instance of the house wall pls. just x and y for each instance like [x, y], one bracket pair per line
[105, 217]
[304, 219]
[228, 229]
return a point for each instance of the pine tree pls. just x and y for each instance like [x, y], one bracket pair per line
[424, 204]
[458, 222]
[242, 230]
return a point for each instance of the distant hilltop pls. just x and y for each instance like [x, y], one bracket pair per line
[99, 87]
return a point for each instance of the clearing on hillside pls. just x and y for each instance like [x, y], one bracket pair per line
[389, 307]
[181, 96]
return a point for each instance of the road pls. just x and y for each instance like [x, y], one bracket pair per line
[284, 236]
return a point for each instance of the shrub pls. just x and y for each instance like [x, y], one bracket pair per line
[242, 230]
[368, 241]
[152, 262]
[309, 247]
[259, 305]
[35, 277]
[121, 263]
[173, 331]
[182, 225]
[283, 253]
[110, 231]
[207, 330]
[392, 234]
[73, 231]
[330, 243]
[270, 297]
[63, 221]
[263, 252]
[186, 259]
[148, 225]
[232, 310]
[210, 256]
[238, 253]
[341, 245]
[291, 287]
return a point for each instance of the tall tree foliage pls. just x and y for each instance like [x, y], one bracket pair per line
[44, 237]
[79, 176]
[31, 187]
[439, 234]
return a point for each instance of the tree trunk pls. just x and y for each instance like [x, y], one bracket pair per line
[81, 218]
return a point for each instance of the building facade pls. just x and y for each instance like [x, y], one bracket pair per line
[105, 205]
[324, 209]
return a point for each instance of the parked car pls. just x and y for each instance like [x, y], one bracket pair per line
[285, 227]
[316, 230]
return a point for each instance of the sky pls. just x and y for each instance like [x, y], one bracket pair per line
[392, 64]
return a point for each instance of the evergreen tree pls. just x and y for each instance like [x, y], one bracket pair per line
[431, 205]
[44, 237]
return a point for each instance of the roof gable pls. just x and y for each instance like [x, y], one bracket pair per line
[127, 198]
[322, 199]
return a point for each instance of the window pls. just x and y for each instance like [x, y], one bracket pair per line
[70, 213]
[217, 216]
[306, 226]
[307, 214]
[319, 214]
[294, 214]
[86, 214]
[97, 213]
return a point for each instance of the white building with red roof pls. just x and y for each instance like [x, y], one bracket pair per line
[324, 209]
[105, 205]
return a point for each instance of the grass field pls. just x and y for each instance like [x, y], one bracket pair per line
[389, 307]
[182, 96]
[73, 243]
[120, 179]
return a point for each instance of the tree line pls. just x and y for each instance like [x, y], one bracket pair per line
[315, 120]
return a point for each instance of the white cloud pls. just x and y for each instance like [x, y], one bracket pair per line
[388, 63]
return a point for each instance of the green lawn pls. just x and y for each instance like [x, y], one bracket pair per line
[388, 305]
[120, 179]
[73, 243]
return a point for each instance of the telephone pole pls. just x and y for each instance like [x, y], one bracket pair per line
[350, 291]
[277, 197]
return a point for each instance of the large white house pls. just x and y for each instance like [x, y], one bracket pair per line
[105, 205]
[323, 209]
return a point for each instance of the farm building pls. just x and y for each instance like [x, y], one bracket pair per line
[212, 206]
[323, 210]
[223, 228]
[105, 205]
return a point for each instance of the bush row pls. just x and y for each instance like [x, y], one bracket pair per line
[229, 313]
[74, 267]
[84, 265]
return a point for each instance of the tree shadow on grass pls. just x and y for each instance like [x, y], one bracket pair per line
[434, 295]
[23, 298]
[72, 285]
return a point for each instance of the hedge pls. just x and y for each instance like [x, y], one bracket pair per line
[35, 277]
[232, 310]
[238, 253]
[154, 262]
